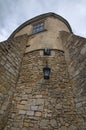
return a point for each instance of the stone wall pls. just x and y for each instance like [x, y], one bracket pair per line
[40, 104]
[28, 101]
[75, 50]
[11, 52]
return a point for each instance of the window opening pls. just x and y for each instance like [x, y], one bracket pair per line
[38, 27]
[47, 51]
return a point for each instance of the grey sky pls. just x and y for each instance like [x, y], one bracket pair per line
[15, 12]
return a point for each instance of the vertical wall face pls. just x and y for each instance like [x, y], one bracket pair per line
[42, 104]
[36, 103]
[48, 38]
[75, 50]
[10, 58]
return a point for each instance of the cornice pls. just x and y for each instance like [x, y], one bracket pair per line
[42, 16]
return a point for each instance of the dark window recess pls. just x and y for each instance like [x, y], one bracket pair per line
[47, 51]
[38, 27]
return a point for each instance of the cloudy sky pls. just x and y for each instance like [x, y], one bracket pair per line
[15, 12]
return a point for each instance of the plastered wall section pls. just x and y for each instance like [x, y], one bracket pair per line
[11, 52]
[75, 54]
[49, 38]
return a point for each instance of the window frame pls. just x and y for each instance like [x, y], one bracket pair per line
[47, 52]
[38, 27]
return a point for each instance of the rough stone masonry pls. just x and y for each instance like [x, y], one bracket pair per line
[27, 100]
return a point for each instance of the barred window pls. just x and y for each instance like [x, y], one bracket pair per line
[38, 27]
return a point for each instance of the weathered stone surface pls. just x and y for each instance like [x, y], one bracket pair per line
[47, 104]
[35, 103]
[26, 124]
[63, 128]
[72, 128]
[75, 55]
[34, 108]
[11, 54]
[38, 113]
[38, 96]
[23, 107]
[58, 106]
[30, 113]
[22, 112]
[44, 123]
[83, 50]
[53, 123]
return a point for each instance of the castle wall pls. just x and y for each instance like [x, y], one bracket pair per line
[11, 54]
[50, 23]
[75, 55]
[43, 104]
[48, 38]
[27, 100]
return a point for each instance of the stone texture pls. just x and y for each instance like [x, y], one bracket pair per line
[30, 113]
[34, 108]
[63, 128]
[72, 128]
[43, 123]
[75, 55]
[53, 123]
[47, 104]
[38, 114]
[22, 112]
[11, 55]
[27, 100]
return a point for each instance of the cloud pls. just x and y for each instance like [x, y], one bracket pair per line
[75, 14]
[15, 12]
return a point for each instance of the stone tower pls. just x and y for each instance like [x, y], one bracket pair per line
[43, 77]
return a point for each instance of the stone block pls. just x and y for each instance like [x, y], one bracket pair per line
[24, 97]
[38, 96]
[22, 112]
[38, 114]
[39, 101]
[63, 128]
[34, 108]
[22, 106]
[26, 124]
[72, 127]
[13, 128]
[78, 104]
[44, 123]
[83, 50]
[23, 102]
[40, 108]
[58, 106]
[53, 123]
[1, 95]
[30, 113]
[3, 90]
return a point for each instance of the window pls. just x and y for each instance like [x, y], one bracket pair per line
[47, 51]
[38, 27]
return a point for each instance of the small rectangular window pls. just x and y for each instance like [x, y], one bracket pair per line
[38, 27]
[47, 51]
